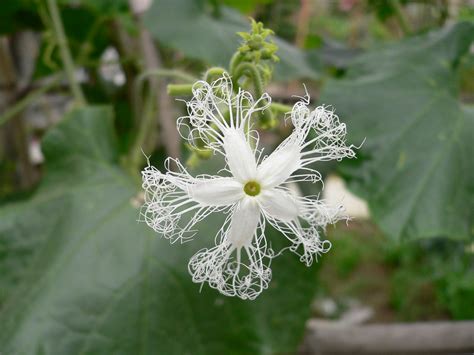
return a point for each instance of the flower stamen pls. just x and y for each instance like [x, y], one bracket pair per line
[252, 188]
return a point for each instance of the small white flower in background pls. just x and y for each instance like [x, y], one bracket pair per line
[252, 191]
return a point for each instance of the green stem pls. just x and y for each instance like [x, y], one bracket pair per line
[161, 73]
[64, 52]
[27, 100]
[235, 61]
[180, 89]
[280, 108]
[86, 47]
[213, 72]
[401, 17]
[146, 126]
[267, 120]
[170, 73]
[252, 71]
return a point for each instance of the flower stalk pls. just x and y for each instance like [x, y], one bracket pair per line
[180, 89]
[214, 72]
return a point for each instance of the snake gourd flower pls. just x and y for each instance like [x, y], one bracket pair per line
[251, 190]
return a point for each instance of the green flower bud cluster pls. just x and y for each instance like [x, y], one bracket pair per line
[257, 46]
[250, 68]
[258, 49]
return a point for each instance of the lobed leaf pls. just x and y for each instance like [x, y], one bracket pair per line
[416, 167]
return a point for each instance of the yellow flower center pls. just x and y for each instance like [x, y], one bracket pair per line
[252, 188]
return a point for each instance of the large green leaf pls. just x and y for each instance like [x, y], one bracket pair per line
[79, 275]
[416, 167]
[190, 27]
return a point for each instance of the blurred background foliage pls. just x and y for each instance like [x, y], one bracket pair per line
[79, 275]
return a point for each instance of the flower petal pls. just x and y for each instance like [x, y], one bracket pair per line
[215, 108]
[168, 208]
[306, 239]
[279, 204]
[279, 166]
[328, 138]
[239, 155]
[216, 192]
[244, 222]
[235, 271]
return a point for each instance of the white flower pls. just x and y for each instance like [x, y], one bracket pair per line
[253, 190]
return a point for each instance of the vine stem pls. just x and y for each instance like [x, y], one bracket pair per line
[65, 53]
[146, 126]
[235, 60]
[27, 100]
[180, 89]
[163, 73]
[280, 108]
[267, 119]
[148, 122]
[158, 73]
[252, 73]
[212, 72]
[86, 46]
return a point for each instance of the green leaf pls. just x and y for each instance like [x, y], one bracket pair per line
[192, 28]
[81, 276]
[18, 15]
[416, 167]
